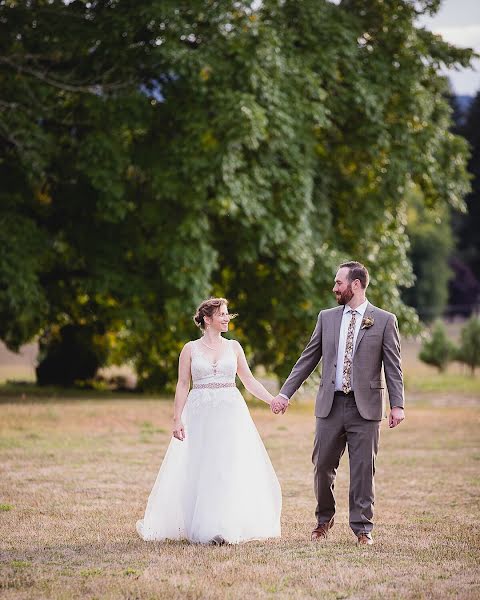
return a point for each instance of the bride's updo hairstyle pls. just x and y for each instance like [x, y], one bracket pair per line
[207, 309]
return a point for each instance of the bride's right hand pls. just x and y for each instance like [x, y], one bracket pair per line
[178, 430]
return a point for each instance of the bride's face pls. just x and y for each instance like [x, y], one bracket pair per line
[219, 320]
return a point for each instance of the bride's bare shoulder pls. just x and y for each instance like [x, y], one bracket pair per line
[187, 349]
[236, 346]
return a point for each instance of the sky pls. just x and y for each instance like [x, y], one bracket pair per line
[458, 22]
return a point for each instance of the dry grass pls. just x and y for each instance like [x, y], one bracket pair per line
[75, 476]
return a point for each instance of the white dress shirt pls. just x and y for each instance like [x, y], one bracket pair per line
[342, 341]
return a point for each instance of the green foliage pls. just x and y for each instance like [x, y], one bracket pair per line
[23, 301]
[437, 350]
[431, 243]
[469, 348]
[157, 153]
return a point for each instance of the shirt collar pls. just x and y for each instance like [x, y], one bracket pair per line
[360, 309]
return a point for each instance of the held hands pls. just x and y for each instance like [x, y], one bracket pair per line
[396, 416]
[178, 430]
[279, 404]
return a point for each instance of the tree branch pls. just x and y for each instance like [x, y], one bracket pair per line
[93, 88]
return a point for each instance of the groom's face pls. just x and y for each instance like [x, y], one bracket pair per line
[342, 288]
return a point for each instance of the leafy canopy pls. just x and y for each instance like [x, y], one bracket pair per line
[158, 152]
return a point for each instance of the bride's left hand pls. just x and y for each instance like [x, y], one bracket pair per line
[279, 405]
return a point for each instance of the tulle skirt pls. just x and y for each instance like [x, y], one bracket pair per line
[219, 481]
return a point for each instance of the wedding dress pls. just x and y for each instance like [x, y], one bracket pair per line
[219, 480]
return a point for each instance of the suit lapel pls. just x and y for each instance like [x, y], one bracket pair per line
[337, 322]
[361, 333]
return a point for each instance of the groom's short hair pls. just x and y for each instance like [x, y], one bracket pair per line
[357, 271]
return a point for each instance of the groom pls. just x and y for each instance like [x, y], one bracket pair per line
[355, 340]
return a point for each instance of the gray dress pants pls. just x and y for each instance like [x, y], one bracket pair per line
[345, 427]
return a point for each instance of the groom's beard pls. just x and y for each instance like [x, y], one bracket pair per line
[345, 297]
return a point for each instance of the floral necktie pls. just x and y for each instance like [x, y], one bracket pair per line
[347, 359]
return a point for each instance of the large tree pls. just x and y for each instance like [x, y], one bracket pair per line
[468, 226]
[159, 152]
[431, 243]
[465, 260]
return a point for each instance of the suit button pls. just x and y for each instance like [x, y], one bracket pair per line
[333, 380]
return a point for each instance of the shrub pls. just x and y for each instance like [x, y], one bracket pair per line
[469, 349]
[437, 349]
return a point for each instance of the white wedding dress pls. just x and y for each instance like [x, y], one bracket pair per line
[219, 480]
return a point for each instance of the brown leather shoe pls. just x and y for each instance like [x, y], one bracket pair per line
[218, 540]
[321, 532]
[365, 539]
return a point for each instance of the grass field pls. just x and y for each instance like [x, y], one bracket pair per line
[76, 474]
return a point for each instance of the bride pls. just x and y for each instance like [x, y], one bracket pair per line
[216, 483]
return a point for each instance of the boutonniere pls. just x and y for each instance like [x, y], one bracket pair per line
[367, 322]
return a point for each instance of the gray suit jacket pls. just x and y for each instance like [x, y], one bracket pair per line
[377, 346]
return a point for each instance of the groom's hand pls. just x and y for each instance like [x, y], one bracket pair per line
[274, 405]
[397, 415]
[279, 404]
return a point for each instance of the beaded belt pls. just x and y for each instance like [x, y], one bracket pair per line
[213, 385]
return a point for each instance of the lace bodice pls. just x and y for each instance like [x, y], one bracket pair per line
[205, 371]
